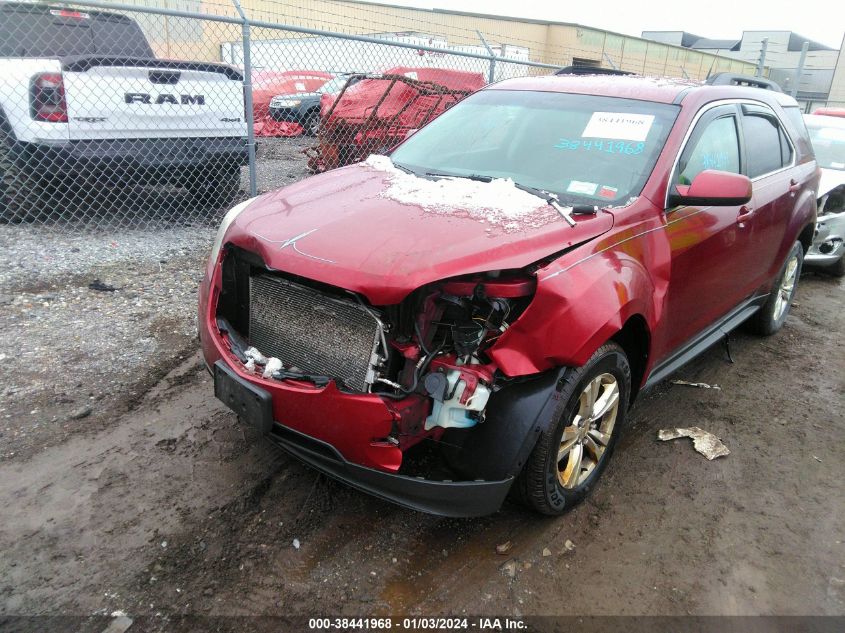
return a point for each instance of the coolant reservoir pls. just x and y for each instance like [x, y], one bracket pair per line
[450, 413]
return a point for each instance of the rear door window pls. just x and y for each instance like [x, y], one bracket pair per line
[767, 148]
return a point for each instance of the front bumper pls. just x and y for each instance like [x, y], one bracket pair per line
[139, 153]
[445, 498]
[290, 115]
[829, 241]
[256, 405]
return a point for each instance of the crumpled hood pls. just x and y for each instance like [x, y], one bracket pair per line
[830, 180]
[338, 228]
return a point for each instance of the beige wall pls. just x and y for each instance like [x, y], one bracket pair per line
[550, 43]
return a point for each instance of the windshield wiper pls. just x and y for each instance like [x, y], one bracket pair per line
[551, 199]
[477, 177]
[403, 168]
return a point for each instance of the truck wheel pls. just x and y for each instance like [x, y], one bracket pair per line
[771, 317]
[19, 189]
[571, 454]
[214, 186]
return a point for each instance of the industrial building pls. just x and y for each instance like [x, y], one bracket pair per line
[812, 72]
[549, 42]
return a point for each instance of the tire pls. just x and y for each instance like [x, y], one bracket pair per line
[214, 186]
[771, 317]
[21, 191]
[550, 482]
[311, 124]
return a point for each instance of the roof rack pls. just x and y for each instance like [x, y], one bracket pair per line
[732, 79]
[590, 70]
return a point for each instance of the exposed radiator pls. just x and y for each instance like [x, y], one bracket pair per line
[316, 332]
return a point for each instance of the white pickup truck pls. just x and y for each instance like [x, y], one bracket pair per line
[83, 96]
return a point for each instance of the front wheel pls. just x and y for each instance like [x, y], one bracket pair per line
[572, 453]
[771, 317]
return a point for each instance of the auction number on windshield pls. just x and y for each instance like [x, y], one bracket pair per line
[602, 145]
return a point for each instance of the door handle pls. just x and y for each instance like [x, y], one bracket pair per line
[794, 186]
[745, 212]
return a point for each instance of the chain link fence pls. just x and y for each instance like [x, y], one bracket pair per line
[122, 117]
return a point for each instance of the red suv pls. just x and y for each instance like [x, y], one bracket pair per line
[474, 314]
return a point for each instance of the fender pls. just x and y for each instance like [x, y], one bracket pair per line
[517, 414]
[575, 313]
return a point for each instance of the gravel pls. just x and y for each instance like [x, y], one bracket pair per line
[75, 356]
[92, 318]
[35, 256]
[280, 161]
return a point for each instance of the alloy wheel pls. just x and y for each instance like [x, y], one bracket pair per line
[584, 442]
[787, 285]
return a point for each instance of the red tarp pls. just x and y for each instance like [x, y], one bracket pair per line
[409, 99]
[359, 100]
[266, 84]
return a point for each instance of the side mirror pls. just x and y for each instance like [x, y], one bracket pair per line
[712, 188]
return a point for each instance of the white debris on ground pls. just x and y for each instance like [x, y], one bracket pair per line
[120, 624]
[705, 443]
[700, 385]
[498, 203]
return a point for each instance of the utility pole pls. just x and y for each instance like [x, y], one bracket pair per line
[762, 60]
[800, 70]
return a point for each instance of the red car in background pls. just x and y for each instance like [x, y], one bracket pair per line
[373, 113]
[474, 314]
[840, 112]
[267, 84]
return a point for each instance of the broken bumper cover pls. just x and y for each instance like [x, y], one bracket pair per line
[829, 242]
[337, 416]
[445, 498]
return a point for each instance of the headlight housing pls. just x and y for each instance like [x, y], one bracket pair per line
[230, 216]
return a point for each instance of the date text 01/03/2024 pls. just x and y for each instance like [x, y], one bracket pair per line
[418, 624]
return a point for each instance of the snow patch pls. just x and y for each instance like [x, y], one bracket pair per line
[254, 355]
[499, 202]
[273, 365]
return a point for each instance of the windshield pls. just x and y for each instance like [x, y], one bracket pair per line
[829, 146]
[585, 149]
[332, 86]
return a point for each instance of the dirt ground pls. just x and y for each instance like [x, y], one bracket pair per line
[173, 508]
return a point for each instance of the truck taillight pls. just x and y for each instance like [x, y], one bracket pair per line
[47, 98]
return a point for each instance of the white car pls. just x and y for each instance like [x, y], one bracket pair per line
[828, 250]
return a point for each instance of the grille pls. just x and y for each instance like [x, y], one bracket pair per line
[309, 329]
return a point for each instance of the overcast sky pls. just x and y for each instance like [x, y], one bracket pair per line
[819, 20]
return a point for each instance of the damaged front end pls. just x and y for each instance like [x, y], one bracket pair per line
[829, 242]
[403, 394]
